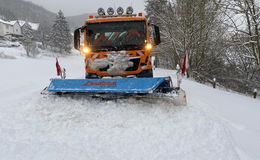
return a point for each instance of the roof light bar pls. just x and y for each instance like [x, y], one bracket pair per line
[110, 11]
[101, 12]
[120, 11]
[129, 10]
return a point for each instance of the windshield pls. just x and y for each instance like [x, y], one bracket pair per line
[107, 36]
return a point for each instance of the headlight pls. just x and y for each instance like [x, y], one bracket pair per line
[148, 46]
[86, 50]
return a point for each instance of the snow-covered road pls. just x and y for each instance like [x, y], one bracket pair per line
[37, 127]
[239, 113]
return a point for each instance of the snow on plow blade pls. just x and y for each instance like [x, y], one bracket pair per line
[137, 87]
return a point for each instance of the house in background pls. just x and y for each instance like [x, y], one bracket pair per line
[14, 29]
[10, 29]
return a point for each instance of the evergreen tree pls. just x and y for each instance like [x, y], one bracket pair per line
[27, 31]
[60, 35]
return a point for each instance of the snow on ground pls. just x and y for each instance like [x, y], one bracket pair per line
[241, 114]
[33, 126]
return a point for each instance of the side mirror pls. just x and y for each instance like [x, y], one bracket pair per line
[77, 39]
[157, 37]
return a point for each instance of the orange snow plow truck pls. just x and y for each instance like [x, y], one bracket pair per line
[117, 45]
[118, 60]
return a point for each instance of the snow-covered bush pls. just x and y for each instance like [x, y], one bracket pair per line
[4, 56]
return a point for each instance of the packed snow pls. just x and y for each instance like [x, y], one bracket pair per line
[215, 125]
[117, 62]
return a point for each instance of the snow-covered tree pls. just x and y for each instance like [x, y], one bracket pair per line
[221, 38]
[188, 27]
[28, 41]
[60, 36]
[27, 32]
[243, 56]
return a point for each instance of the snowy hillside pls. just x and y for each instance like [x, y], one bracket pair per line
[215, 125]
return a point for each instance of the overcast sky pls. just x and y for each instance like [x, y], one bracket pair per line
[76, 7]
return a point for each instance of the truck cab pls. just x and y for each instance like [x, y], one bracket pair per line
[117, 45]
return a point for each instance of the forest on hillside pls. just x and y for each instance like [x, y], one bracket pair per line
[19, 9]
[221, 39]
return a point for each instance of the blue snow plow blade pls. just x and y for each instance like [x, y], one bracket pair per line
[124, 85]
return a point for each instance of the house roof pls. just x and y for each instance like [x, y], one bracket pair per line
[8, 22]
[35, 26]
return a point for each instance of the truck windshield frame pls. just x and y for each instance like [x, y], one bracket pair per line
[115, 36]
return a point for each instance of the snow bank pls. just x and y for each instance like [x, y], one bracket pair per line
[14, 52]
[4, 56]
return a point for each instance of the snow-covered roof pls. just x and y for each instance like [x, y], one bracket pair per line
[8, 22]
[21, 22]
[35, 26]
